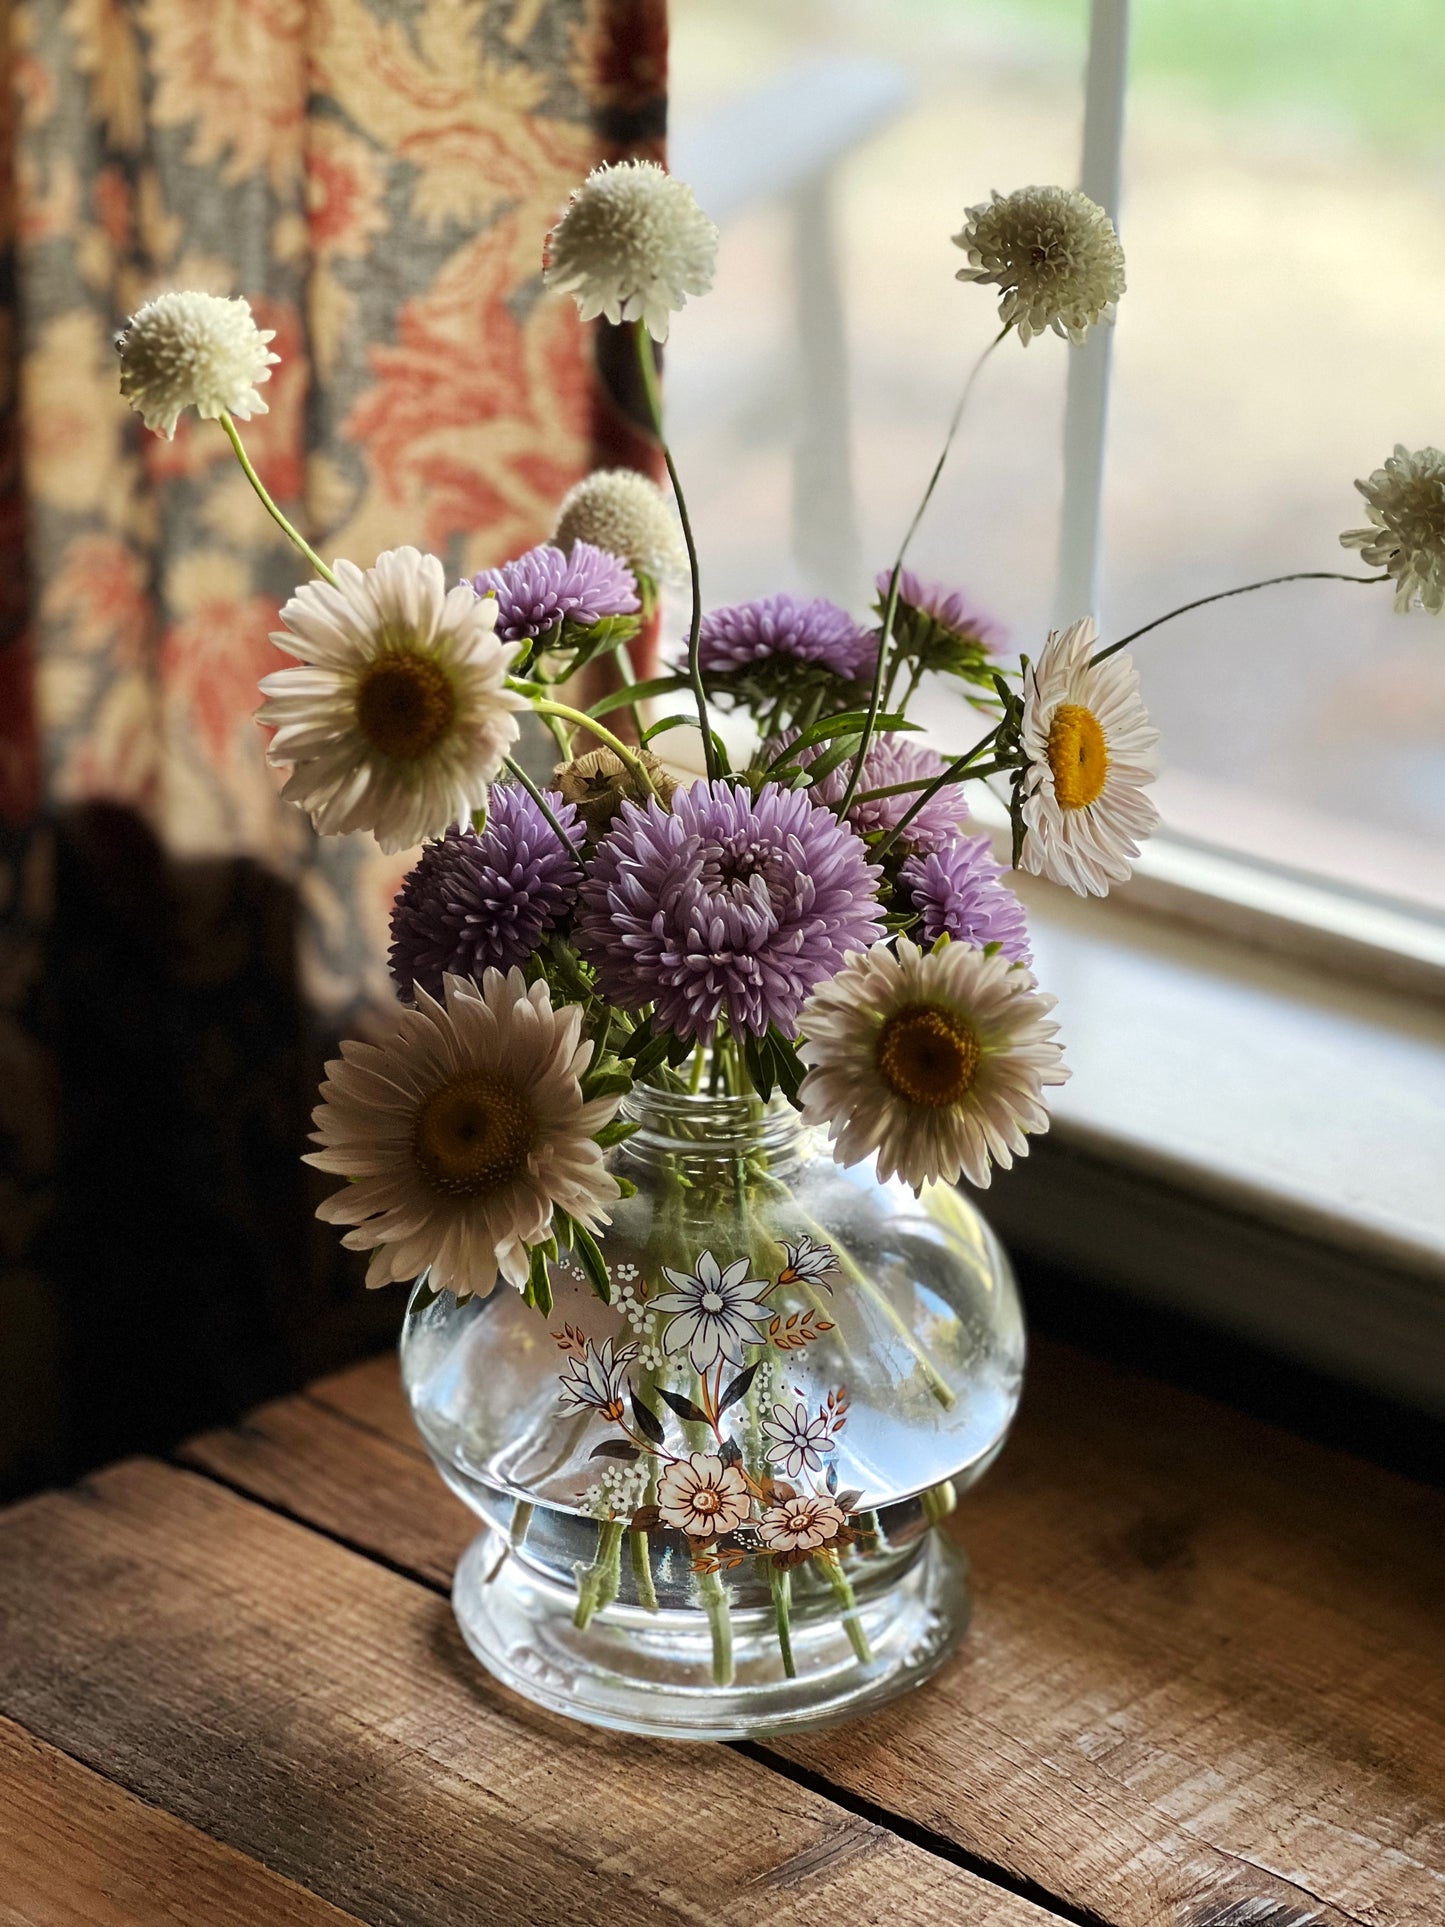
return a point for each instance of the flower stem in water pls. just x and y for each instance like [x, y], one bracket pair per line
[843, 1592]
[938, 1501]
[597, 1584]
[642, 1572]
[781, 1581]
[714, 1596]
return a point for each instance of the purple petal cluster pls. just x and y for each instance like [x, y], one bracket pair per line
[729, 904]
[545, 587]
[818, 631]
[957, 892]
[891, 760]
[472, 900]
[949, 608]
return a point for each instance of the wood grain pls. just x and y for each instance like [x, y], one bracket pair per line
[317, 1713]
[76, 1851]
[1206, 1678]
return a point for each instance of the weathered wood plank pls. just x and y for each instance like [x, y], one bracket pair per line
[76, 1851]
[1207, 1669]
[317, 1713]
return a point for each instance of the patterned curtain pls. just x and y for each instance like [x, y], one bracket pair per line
[377, 176]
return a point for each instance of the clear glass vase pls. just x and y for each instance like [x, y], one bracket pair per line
[871, 1355]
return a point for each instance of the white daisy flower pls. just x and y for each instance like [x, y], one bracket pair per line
[801, 1439]
[714, 1313]
[624, 513]
[463, 1134]
[597, 1381]
[633, 245]
[703, 1496]
[1405, 501]
[400, 716]
[198, 351]
[808, 1263]
[936, 1060]
[800, 1524]
[1053, 253]
[1090, 749]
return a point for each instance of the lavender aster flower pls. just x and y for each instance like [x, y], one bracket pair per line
[957, 892]
[477, 900]
[545, 588]
[938, 628]
[729, 904]
[890, 760]
[774, 642]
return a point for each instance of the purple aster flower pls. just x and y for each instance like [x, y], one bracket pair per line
[747, 634]
[949, 608]
[728, 904]
[544, 587]
[890, 760]
[472, 900]
[957, 892]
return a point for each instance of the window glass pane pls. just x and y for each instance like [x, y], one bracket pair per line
[1284, 217]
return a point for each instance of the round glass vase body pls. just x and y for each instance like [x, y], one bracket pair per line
[822, 1362]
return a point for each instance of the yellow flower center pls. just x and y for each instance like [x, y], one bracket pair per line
[1078, 756]
[928, 1055]
[405, 704]
[473, 1134]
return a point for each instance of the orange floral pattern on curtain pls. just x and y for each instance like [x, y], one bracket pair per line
[377, 176]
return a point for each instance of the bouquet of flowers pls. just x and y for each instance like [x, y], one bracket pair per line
[815, 925]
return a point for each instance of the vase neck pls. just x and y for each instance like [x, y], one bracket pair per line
[677, 1124]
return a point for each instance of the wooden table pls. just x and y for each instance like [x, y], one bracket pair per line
[1205, 1685]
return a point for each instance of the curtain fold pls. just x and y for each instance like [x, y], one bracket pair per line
[377, 177]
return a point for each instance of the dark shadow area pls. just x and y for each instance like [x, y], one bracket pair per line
[163, 1268]
[1167, 1345]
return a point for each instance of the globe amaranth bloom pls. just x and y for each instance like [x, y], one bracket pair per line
[957, 893]
[938, 628]
[191, 350]
[477, 900]
[727, 905]
[773, 644]
[627, 514]
[891, 760]
[633, 245]
[1054, 256]
[544, 588]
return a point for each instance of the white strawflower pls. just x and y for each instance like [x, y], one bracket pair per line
[463, 1134]
[625, 514]
[1091, 749]
[198, 351]
[400, 717]
[1405, 501]
[633, 245]
[934, 1059]
[1054, 254]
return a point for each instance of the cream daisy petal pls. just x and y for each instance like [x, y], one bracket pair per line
[1090, 750]
[456, 1169]
[934, 1061]
[398, 716]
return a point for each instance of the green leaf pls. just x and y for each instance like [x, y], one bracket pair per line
[589, 1254]
[758, 1059]
[786, 1065]
[539, 1281]
[609, 1080]
[638, 692]
[616, 1131]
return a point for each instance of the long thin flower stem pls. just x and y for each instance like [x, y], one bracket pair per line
[781, 1581]
[597, 1587]
[518, 774]
[1223, 595]
[960, 766]
[579, 720]
[647, 361]
[843, 1592]
[890, 610]
[292, 534]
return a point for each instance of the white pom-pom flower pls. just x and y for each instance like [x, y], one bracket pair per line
[1405, 501]
[1090, 750]
[633, 245]
[399, 717]
[198, 351]
[463, 1135]
[934, 1059]
[626, 514]
[1054, 254]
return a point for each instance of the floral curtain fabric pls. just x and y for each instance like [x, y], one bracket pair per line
[377, 176]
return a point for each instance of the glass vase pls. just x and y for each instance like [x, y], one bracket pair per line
[869, 1351]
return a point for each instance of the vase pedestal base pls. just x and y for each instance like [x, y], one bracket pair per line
[665, 1673]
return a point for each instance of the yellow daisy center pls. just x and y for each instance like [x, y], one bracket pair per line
[473, 1134]
[405, 704]
[928, 1055]
[1078, 756]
